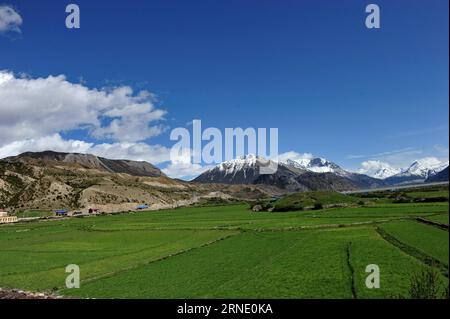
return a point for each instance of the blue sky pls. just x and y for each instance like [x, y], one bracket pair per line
[311, 68]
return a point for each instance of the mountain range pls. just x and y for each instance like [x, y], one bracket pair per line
[52, 180]
[316, 173]
[419, 171]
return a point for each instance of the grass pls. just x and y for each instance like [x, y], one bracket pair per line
[395, 266]
[443, 218]
[264, 265]
[299, 201]
[431, 194]
[223, 252]
[429, 240]
[34, 213]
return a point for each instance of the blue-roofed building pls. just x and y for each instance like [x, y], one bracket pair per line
[61, 212]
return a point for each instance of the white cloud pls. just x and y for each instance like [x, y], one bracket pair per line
[374, 165]
[39, 107]
[154, 154]
[10, 20]
[185, 170]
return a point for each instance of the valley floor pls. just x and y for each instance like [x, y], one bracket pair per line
[229, 252]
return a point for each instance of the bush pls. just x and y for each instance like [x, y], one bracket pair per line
[402, 200]
[287, 208]
[431, 200]
[263, 205]
[426, 284]
[318, 206]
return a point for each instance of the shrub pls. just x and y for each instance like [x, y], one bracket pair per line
[439, 199]
[318, 206]
[287, 207]
[402, 200]
[426, 284]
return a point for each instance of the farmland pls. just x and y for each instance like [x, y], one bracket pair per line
[228, 252]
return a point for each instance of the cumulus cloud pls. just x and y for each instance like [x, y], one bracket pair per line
[10, 20]
[154, 154]
[178, 169]
[39, 107]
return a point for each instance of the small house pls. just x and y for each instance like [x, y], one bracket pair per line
[6, 219]
[61, 212]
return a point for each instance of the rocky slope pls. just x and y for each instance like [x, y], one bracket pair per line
[442, 176]
[89, 161]
[50, 180]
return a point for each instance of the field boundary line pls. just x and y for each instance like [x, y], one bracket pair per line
[257, 265]
[88, 262]
[352, 270]
[110, 274]
[328, 226]
[413, 252]
[432, 223]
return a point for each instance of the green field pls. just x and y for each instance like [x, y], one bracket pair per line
[427, 239]
[34, 213]
[226, 252]
[443, 219]
[430, 194]
[298, 201]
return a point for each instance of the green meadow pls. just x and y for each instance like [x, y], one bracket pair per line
[228, 252]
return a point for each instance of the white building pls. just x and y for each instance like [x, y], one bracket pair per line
[5, 219]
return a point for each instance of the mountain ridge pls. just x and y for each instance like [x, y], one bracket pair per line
[90, 161]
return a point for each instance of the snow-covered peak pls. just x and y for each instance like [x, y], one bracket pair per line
[302, 163]
[385, 172]
[316, 164]
[242, 162]
[425, 167]
[378, 169]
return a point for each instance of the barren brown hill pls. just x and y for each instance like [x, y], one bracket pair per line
[50, 180]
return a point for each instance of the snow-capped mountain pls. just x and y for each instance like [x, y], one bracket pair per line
[418, 171]
[240, 163]
[318, 173]
[317, 165]
[425, 167]
[242, 170]
[313, 174]
[378, 169]
[385, 172]
[442, 176]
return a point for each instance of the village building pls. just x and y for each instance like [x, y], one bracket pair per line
[6, 219]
